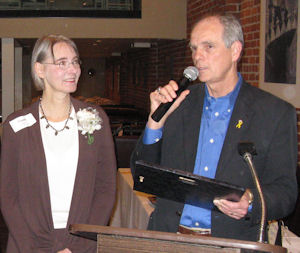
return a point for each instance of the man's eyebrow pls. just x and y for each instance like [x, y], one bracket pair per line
[201, 43]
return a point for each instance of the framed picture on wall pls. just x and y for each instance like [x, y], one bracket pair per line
[279, 47]
[87, 8]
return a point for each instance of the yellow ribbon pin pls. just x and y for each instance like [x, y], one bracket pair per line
[239, 124]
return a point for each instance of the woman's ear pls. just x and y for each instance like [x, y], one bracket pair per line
[39, 69]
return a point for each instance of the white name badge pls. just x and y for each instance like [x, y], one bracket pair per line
[22, 122]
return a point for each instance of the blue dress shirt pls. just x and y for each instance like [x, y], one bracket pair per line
[214, 122]
[151, 136]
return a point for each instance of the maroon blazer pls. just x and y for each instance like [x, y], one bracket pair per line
[25, 198]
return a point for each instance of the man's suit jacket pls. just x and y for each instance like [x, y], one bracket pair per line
[268, 122]
[25, 198]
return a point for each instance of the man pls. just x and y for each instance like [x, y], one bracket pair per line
[201, 131]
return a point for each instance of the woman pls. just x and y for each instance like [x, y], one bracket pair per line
[58, 163]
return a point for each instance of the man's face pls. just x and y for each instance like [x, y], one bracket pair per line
[216, 63]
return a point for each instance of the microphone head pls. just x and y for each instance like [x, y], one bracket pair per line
[191, 73]
[246, 147]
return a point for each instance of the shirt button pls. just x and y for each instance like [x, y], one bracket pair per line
[206, 168]
[228, 110]
[216, 114]
[206, 107]
[157, 140]
[211, 140]
[197, 224]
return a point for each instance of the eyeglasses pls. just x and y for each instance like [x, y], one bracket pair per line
[64, 65]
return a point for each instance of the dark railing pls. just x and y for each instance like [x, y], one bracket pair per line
[67, 8]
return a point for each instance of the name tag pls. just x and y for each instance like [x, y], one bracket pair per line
[22, 122]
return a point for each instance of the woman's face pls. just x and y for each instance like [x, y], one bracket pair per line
[60, 74]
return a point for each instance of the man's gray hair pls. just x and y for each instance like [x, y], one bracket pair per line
[232, 28]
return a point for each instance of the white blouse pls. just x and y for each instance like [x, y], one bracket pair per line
[61, 153]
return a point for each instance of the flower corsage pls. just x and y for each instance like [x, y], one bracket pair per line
[88, 121]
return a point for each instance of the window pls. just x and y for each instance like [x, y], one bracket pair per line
[71, 8]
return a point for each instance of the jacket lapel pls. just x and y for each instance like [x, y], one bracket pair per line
[192, 121]
[39, 166]
[86, 152]
[237, 128]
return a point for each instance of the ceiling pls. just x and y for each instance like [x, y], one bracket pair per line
[94, 48]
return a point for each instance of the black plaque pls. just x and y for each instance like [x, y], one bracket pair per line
[182, 186]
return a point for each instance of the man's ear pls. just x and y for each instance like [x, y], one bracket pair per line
[236, 49]
[39, 69]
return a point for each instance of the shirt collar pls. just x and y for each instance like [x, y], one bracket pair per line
[230, 98]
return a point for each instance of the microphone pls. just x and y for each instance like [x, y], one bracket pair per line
[246, 150]
[190, 74]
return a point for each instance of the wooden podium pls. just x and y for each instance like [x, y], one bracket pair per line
[123, 240]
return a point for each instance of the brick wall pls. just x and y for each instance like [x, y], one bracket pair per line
[167, 61]
[250, 20]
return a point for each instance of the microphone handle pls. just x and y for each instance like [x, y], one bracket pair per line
[164, 107]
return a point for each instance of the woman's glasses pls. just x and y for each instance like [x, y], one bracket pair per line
[64, 64]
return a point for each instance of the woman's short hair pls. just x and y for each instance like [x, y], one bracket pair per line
[43, 48]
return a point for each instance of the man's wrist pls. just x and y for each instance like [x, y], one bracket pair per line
[152, 124]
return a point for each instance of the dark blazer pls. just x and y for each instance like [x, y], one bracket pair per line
[268, 122]
[25, 198]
